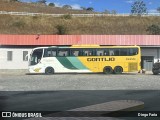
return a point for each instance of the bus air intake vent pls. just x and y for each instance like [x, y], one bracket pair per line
[132, 66]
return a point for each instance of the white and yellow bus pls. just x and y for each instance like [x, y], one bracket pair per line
[85, 59]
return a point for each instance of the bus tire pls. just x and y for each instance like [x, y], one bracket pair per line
[118, 70]
[155, 72]
[107, 70]
[49, 71]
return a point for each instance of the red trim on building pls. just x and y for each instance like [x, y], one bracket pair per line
[80, 39]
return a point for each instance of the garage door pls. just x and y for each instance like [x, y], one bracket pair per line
[147, 62]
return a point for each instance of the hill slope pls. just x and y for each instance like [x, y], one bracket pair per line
[131, 25]
[74, 25]
[36, 8]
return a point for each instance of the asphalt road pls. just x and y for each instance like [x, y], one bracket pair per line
[66, 100]
[128, 81]
[61, 92]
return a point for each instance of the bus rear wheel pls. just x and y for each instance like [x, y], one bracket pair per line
[49, 71]
[107, 70]
[118, 70]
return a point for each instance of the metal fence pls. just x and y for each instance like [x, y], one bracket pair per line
[74, 15]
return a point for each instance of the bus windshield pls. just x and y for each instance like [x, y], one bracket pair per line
[36, 56]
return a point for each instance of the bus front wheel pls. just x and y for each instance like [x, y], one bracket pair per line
[107, 70]
[118, 70]
[49, 70]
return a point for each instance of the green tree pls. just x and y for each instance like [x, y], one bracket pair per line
[83, 8]
[138, 7]
[67, 7]
[42, 1]
[66, 16]
[158, 9]
[153, 29]
[61, 30]
[14, 0]
[19, 24]
[106, 12]
[114, 12]
[51, 4]
[90, 9]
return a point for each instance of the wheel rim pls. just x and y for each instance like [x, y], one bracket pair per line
[118, 70]
[49, 71]
[108, 70]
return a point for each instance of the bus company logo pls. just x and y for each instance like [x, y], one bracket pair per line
[6, 114]
[37, 69]
[101, 59]
[22, 115]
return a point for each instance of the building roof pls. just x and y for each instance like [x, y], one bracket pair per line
[141, 40]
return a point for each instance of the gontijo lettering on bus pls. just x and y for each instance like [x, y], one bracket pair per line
[101, 59]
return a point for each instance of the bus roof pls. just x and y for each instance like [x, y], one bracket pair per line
[87, 46]
[99, 46]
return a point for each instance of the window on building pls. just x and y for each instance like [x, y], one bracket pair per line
[25, 55]
[9, 55]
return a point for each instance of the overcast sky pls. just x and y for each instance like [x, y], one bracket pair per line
[121, 6]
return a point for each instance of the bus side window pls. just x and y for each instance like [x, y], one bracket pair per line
[116, 52]
[53, 53]
[75, 53]
[90, 53]
[85, 53]
[47, 53]
[133, 51]
[111, 52]
[99, 52]
[124, 51]
[63, 52]
[106, 53]
[80, 53]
